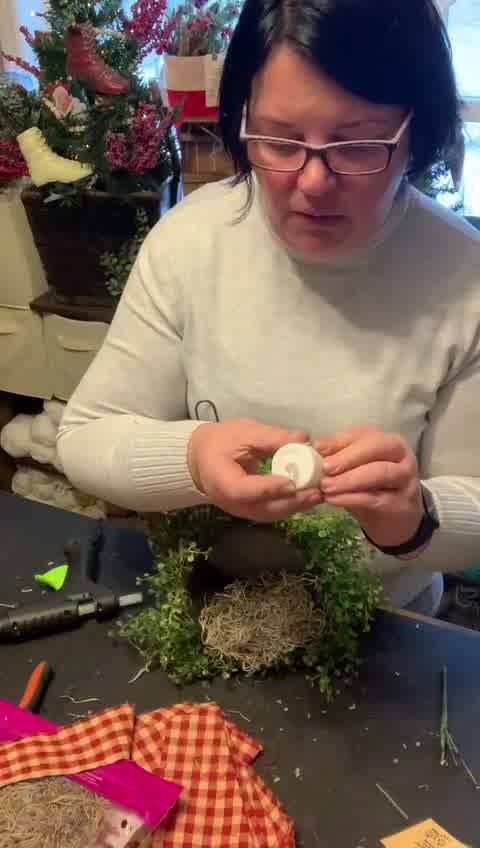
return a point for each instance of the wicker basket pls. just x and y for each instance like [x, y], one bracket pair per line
[71, 239]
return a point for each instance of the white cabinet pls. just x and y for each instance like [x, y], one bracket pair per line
[71, 347]
[24, 367]
[39, 357]
[21, 274]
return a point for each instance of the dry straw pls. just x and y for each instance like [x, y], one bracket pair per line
[259, 623]
[49, 813]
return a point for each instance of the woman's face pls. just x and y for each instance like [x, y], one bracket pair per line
[314, 211]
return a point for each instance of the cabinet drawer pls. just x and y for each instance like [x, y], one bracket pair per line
[71, 347]
[21, 274]
[24, 368]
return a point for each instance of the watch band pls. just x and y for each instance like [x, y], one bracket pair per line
[421, 538]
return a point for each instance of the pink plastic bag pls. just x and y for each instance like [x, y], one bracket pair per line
[139, 800]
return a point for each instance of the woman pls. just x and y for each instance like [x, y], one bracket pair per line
[321, 296]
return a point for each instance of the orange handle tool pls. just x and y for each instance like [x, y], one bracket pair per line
[36, 687]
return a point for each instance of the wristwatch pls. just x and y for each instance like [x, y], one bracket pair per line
[429, 523]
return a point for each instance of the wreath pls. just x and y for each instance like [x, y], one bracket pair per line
[312, 620]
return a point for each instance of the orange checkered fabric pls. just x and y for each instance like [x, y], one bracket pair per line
[224, 803]
[104, 738]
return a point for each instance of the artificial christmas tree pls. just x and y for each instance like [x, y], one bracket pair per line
[93, 136]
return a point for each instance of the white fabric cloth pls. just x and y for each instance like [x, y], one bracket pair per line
[40, 453]
[217, 308]
[10, 37]
[44, 431]
[16, 436]
[54, 409]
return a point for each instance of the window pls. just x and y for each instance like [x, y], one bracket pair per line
[464, 29]
[463, 19]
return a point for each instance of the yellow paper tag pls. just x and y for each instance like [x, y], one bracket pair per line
[213, 66]
[427, 834]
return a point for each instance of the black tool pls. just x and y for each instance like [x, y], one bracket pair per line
[57, 614]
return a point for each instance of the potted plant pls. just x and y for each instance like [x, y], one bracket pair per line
[198, 35]
[96, 142]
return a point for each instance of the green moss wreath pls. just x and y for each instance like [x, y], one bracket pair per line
[343, 596]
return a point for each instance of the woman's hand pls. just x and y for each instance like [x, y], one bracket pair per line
[374, 475]
[223, 459]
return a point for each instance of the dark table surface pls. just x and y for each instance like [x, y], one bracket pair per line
[323, 761]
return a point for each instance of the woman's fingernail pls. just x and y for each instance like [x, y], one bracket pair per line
[327, 467]
[289, 488]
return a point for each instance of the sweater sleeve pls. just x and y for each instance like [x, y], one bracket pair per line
[450, 467]
[125, 431]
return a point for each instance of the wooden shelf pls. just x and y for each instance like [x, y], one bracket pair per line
[83, 309]
[200, 121]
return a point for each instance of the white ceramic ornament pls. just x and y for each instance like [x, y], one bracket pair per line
[302, 464]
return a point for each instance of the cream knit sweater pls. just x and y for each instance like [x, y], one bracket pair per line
[217, 308]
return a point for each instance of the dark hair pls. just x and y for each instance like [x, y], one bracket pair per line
[392, 52]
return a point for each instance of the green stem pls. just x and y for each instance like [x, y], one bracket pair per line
[448, 746]
[444, 722]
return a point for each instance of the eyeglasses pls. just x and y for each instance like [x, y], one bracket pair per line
[348, 158]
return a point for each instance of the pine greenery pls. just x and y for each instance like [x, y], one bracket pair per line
[117, 266]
